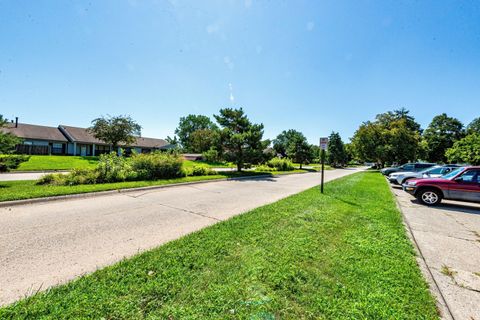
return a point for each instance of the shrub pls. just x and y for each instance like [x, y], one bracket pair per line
[52, 179]
[81, 176]
[156, 165]
[111, 168]
[200, 171]
[211, 155]
[264, 168]
[8, 162]
[281, 164]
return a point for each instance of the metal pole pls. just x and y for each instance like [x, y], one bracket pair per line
[323, 168]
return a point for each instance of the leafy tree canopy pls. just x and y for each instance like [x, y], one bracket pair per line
[188, 125]
[440, 135]
[284, 139]
[204, 139]
[115, 130]
[394, 136]
[474, 126]
[465, 150]
[298, 149]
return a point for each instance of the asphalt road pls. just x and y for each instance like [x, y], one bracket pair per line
[448, 237]
[46, 244]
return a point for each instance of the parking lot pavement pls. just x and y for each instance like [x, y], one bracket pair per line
[448, 238]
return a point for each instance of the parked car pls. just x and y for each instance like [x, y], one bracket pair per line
[432, 172]
[410, 167]
[462, 184]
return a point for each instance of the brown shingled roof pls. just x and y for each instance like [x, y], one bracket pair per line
[32, 131]
[82, 135]
[150, 143]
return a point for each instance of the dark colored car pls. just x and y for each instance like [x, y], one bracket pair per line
[462, 184]
[410, 167]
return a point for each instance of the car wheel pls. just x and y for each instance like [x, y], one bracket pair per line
[429, 197]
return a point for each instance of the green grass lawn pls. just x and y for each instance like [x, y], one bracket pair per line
[39, 163]
[341, 255]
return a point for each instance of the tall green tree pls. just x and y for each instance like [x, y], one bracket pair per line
[204, 139]
[465, 150]
[284, 139]
[474, 126]
[336, 150]
[370, 144]
[440, 135]
[298, 148]
[8, 141]
[188, 125]
[115, 130]
[394, 136]
[239, 137]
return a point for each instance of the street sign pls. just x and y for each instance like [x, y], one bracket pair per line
[324, 143]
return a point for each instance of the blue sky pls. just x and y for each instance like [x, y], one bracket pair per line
[314, 66]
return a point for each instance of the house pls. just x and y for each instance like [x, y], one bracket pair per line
[38, 139]
[69, 140]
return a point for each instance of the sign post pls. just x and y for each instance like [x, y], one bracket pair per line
[323, 147]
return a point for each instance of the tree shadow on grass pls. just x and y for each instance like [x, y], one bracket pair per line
[343, 200]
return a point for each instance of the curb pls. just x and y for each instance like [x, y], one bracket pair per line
[14, 203]
[441, 303]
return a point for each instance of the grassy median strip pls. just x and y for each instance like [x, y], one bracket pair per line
[341, 255]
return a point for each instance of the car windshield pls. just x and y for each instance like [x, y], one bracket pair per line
[427, 170]
[453, 173]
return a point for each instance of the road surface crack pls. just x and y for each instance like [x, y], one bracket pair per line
[188, 211]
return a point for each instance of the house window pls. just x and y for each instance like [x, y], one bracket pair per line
[57, 148]
[101, 149]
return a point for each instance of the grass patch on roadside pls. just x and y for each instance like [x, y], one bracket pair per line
[190, 163]
[39, 163]
[315, 166]
[341, 255]
[27, 189]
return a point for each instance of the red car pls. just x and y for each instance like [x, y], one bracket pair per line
[462, 184]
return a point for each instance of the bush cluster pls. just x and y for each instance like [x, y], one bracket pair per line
[8, 162]
[157, 165]
[281, 164]
[113, 168]
[200, 171]
[211, 155]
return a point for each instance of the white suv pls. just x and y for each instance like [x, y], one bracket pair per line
[433, 172]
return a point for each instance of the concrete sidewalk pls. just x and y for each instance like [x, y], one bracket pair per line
[49, 243]
[448, 238]
[19, 176]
